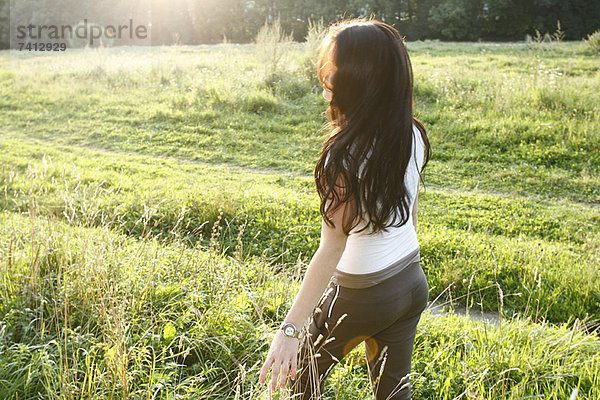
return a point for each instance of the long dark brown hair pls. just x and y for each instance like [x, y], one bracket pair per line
[371, 120]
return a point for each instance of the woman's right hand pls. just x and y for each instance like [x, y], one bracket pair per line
[283, 356]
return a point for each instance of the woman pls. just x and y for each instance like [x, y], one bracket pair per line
[365, 277]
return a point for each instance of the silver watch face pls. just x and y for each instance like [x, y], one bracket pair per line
[289, 331]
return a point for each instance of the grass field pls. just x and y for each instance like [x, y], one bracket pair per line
[157, 212]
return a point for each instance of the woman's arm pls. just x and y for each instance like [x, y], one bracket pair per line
[283, 351]
[415, 208]
[318, 273]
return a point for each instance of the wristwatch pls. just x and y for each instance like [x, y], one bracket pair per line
[289, 329]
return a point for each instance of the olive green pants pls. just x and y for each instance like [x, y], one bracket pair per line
[383, 316]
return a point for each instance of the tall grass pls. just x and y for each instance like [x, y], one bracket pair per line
[88, 313]
[592, 43]
[271, 42]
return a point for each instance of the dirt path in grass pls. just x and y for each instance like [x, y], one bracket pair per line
[489, 317]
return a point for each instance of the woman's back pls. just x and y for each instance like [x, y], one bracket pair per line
[368, 252]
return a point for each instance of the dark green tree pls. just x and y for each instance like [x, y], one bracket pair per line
[457, 19]
[578, 18]
[506, 19]
[4, 24]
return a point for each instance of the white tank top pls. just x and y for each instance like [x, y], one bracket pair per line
[367, 252]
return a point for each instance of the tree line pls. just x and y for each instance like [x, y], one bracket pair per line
[213, 21]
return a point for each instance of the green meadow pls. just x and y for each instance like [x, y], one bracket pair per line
[157, 212]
